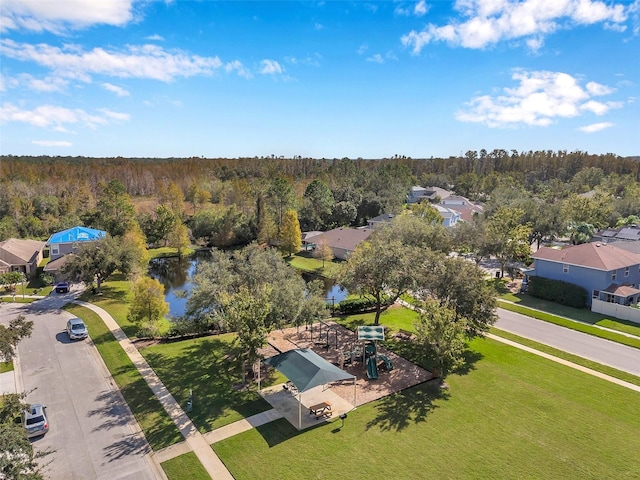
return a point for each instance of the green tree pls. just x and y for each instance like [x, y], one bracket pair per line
[148, 306]
[290, 234]
[384, 270]
[171, 196]
[11, 279]
[17, 458]
[281, 197]
[318, 203]
[426, 212]
[323, 252]
[441, 337]
[247, 313]
[97, 261]
[10, 336]
[581, 232]
[459, 285]
[114, 211]
[507, 237]
[179, 238]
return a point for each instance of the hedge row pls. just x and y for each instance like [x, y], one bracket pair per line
[557, 291]
[356, 305]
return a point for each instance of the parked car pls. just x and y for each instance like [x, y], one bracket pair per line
[76, 329]
[35, 420]
[62, 287]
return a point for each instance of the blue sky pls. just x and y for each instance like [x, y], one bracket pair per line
[326, 79]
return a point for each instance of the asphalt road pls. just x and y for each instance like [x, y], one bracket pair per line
[593, 348]
[92, 432]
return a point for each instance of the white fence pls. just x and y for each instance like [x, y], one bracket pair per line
[616, 310]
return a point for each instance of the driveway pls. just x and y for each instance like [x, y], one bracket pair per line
[593, 348]
[92, 431]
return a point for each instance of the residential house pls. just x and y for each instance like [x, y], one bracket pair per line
[462, 205]
[608, 273]
[344, 240]
[307, 239]
[67, 241]
[381, 220]
[432, 194]
[17, 255]
[450, 217]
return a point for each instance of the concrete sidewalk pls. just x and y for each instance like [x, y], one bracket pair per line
[194, 439]
[8, 382]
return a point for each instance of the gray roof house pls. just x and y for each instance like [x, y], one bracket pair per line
[17, 255]
[344, 240]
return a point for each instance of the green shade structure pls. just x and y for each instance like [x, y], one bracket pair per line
[371, 333]
[306, 369]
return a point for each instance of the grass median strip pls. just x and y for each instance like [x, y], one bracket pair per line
[598, 367]
[186, 466]
[571, 324]
[158, 427]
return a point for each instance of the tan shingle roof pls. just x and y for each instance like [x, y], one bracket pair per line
[346, 238]
[16, 250]
[594, 255]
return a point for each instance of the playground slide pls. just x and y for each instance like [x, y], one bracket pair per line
[372, 368]
[387, 362]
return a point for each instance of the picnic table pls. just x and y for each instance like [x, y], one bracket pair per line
[322, 409]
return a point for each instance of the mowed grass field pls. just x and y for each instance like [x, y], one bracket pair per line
[510, 415]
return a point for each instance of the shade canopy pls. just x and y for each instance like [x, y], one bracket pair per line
[306, 369]
[371, 333]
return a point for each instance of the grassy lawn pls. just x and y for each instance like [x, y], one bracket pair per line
[305, 262]
[6, 367]
[186, 466]
[163, 252]
[115, 299]
[209, 367]
[512, 415]
[627, 377]
[580, 314]
[154, 421]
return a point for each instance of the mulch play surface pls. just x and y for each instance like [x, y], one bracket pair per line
[334, 343]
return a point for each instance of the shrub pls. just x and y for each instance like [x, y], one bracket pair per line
[355, 305]
[557, 291]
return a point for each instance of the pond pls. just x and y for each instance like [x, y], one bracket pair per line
[175, 274]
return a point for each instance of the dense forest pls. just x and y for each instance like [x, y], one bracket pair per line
[234, 201]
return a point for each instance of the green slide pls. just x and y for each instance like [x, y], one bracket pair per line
[372, 368]
[387, 362]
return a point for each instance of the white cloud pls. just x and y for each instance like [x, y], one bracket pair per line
[596, 127]
[362, 49]
[52, 143]
[238, 67]
[487, 22]
[136, 61]
[539, 99]
[377, 58]
[155, 38]
[318, 26]
[121, 117]
[420, 9]
[270, 67]
[57, 17]
[119, 91]
[56, 118]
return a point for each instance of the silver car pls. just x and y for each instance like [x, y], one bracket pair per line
[76, 329]
[35, 420]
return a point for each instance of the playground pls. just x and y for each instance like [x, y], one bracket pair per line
[377, 371]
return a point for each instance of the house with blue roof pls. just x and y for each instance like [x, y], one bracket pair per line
[67, 241]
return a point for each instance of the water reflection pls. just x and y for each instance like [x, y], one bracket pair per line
[175, 274]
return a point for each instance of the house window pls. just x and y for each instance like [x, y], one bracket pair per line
[565, 268]
[626, 271]
[55, 250]
[613, 275]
